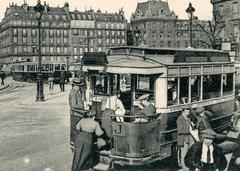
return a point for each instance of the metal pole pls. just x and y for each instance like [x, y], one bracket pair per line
[40, 94]
[191, 29]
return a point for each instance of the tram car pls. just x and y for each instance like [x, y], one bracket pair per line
[27, 71]
[173, 79]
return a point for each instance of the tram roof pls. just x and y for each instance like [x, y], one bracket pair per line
[134, 60]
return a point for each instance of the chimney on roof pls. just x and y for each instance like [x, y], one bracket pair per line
[66, 7]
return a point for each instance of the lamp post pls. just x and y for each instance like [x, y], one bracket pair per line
[190, 10]
[39, 11]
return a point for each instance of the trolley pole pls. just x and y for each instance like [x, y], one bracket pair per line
[190, 10]
[40, 95]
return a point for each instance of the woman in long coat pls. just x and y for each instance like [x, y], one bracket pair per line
[84, 142]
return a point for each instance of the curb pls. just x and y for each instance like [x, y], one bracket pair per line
[4, 87]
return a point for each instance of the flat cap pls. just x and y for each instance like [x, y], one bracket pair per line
[199, 110]
[143, 97]
[208, 133]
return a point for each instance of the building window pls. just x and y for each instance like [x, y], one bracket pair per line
[99, 33]
[118, 41]
[65, 32]
[235, 7]
[123, 41]
[15, 32]
[113, 41]
[33, 40]
[75, 32]
[99, 49]
[15, 39]
[51, 41]
[58, 49]
[24, 39]
[99, 41]
[33, 32]
[65, 40]
[107, 41]
[107, 32]
[51, 49]
[112, 33]
[160, 36]
[91, 49]
[123, 33]
[65, 50]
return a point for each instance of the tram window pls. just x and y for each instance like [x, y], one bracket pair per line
[184, 90]
[100, 84]
[195, 88]
[211, 86]
[227, 84]
[145, 84]
[172, 91]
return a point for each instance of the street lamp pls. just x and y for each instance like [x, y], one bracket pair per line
[190, 10]
[39, 11]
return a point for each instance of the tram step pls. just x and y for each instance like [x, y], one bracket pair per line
[101, 167]
[105, 157]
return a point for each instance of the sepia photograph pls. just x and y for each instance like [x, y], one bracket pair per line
[120, 85]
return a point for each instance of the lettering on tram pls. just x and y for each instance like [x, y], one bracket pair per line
[138, 94]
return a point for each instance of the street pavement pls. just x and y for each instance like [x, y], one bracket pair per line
[34, 135]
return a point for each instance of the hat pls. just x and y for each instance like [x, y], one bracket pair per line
[208, 133]
[199, 110]
[145, 96]
[77, 81]
[186, 107]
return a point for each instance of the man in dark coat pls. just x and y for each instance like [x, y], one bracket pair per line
[206, 156]
[76, 104]
[62, 80]
[3, 76]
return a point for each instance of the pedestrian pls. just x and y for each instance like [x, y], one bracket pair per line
[184, 137]
[205, 155]
[83, 154]
[202, 120]
[144, 108]
[62, 80]
[76, 104]
[3, 76]
[50, 82]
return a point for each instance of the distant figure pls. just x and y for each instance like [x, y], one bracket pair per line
[206, 156]
[62, 80]
[145, 108]
[50, 82]
[3, 76]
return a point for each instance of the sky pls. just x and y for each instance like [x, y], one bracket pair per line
[203, 8]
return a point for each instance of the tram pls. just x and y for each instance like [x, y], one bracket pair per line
[173, 79]
[27, 70]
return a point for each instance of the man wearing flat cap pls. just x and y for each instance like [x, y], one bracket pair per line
[202, 119]
[76, 106]
[205, 155]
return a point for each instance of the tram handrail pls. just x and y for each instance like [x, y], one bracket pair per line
[136, 116]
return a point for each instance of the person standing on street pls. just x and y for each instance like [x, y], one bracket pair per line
[83, 154]
[62, 80]
[202, 120]
[50, 82]
[206, 156]
[184, 138]
[3, 76]
[76, 104]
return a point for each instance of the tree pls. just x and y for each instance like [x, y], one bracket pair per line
[213, 29]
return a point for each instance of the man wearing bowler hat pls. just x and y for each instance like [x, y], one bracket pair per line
[76, 104]
[205, 155]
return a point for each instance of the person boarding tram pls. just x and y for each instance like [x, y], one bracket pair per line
[87, 127]
[76, 104]
[204, 155]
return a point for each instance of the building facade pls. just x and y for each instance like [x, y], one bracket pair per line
[65, 35]
[154, 25]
